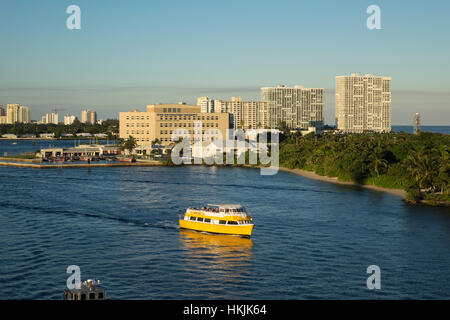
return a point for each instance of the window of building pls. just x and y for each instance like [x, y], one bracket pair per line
[91, 295]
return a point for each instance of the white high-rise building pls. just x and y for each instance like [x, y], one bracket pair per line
[206, 104]
[363, 103]
[12, 113]
[24, 115]
[297, 107]
[88, 117]
[244, 114]
[69, 119]
[50, 118]
[16, 113]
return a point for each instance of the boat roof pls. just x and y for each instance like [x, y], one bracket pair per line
[229, 206]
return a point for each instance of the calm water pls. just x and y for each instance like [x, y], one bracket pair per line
[311, 240]
[16, 147]
[410, 129]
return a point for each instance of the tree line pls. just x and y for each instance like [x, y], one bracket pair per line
[110, 127]
[418, 163]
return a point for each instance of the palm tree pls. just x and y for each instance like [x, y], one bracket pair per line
[379, 165]
[421, 166]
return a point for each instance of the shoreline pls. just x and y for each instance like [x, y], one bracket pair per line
[312, 175]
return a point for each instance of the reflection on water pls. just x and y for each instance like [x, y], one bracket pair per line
[219, 256]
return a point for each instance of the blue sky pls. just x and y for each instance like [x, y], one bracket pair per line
[132, 53]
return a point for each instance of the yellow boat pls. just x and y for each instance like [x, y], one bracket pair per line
[230, 219]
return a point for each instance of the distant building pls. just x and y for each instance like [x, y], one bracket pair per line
[69, 119]
[12, 113]
[50, 118]
[363, 103]
[47, 135]
[9, 136]
[16, 113]
[3, 117]
[88, 117]
[101, 135]
[206, 104]
[244, 114]
[24, 115]
[297, 107]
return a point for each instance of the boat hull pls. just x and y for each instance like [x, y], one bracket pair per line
[240, 230]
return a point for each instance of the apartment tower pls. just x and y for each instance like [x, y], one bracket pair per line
[363, 103]
[297, 107]
[88, 117]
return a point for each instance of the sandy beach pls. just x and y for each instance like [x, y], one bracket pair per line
[312, 175]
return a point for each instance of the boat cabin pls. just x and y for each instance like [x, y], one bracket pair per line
[90, 290]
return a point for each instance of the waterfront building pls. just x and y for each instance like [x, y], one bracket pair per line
[92, 150]
[244, 114]
[297, 107]
[206, 104]
[159, 121]
[69, 119]
[88, 117]
[2, 111]
[363, 103]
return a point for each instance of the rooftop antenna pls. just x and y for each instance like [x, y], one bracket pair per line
[416, 123]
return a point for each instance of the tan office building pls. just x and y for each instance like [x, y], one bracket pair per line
[245, 114]
[161, 120]
[298, 107]
[363, 103]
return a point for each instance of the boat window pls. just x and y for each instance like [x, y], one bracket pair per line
[199, 219]
[92, 296]
[222, 222]
[207, 220]
[83, 296]
[192, 218]
[100, 295]
[227, 210]
[232, 222]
